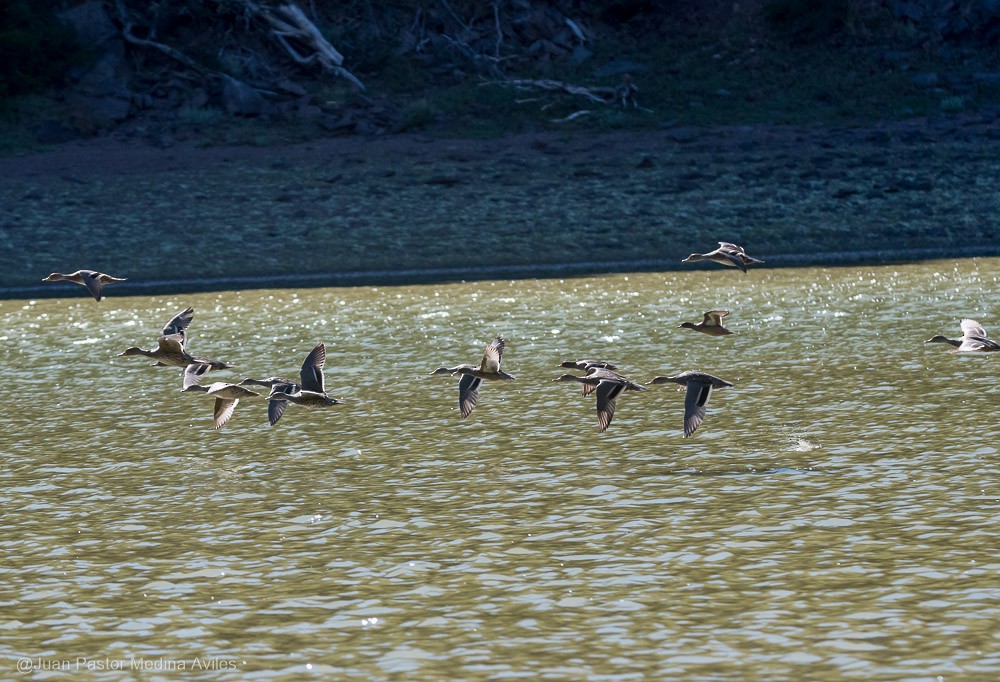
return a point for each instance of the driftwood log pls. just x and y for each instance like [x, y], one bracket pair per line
[623, 95]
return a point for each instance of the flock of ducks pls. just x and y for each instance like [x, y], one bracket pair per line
[600, 377]
[171, 351]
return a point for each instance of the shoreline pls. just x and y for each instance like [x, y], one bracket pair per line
[430, 276]
[412, 209]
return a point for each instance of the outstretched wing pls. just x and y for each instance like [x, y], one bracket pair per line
[713, 318]
[493, 355]
[276, 408]
[92, 280]
[607, 394]
[178, 325]
[735, 256]
[224, 409]
[973, 328]
[468, 394]
[695, 401]
[195, 372]
[312, 369]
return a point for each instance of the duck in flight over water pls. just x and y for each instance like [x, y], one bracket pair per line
[727, 254]
[699, 389]
[93, 280]
[474, 375]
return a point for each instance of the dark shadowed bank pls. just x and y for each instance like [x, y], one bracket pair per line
[406, 208]
[442, 275]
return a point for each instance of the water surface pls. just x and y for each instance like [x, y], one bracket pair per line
[834, 517]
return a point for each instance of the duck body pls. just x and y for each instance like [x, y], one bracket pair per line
[711, 324]
[474, 375]
[587, 364]
[303, 397]
[728, 254]
[171, 350]
[227, 397]
[608, 385]
[275, 407]
[309, 391]
[699, 389]
[93, 280]
[974, 339]
[170, 353]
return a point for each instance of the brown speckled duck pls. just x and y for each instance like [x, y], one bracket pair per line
[727, 254]
[608, 385]
[227, 397]
[171, 350]
[309, 392]
[474, 375]
[93, 280]
[699, 389]
[974, 339]
[711, 324]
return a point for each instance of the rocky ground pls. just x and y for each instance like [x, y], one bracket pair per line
[415, 208]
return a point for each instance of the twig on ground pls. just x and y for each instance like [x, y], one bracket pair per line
[574, 115]
[602, 95]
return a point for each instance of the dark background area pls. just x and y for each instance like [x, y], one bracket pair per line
[243, 71]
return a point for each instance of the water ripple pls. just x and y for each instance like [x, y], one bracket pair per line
[833, 517]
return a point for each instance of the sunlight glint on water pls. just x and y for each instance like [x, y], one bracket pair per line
[834, 516]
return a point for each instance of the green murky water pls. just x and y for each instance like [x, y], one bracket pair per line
[834, 517]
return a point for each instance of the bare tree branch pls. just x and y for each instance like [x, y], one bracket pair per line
[176, 55]
[293, 23]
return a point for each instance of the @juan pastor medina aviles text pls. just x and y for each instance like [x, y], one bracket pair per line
[25, 665]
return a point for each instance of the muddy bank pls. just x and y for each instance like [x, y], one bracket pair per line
[416, 208]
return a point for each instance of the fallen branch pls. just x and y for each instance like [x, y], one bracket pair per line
[574, 115]
[623, 95]
[601, 95]
[293, 23]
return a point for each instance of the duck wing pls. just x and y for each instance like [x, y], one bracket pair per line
[607, 395]
[468, 394]
[973, 328]
[312, 369]
[195, 372]
[92, 280]
[695, 400]
[493, 355]
[276, 408]
[980, 343]
[170, 343]
[734, 256]
[178, 325]
[713, 318]
[224, 408]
